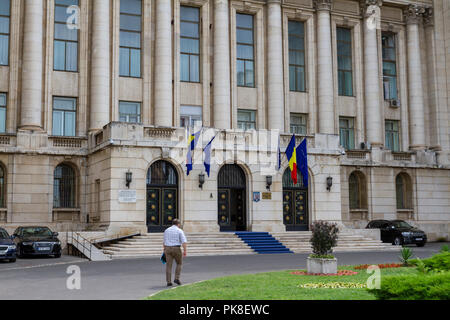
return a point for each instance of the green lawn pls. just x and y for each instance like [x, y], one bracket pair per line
[274, 286]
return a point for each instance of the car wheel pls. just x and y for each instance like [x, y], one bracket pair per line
[19, 253]
[57, 255]
[397, 241]
[12, 260]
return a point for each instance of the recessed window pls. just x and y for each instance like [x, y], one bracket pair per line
[246, 120]
[130, 38]
[357, 191]
[245, 50]
[345, 63]
[403, 189]
[130, 112]
[392, 128]
[2, 187]
[64, 187]
[299, 123]
[190, 116]
[389, 66]
[65, 51]
[347, 132]
[2, 112]
[296, 31]
[5, 13]
[190, 44]
[64, 116]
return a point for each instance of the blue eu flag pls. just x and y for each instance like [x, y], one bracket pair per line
[302, 161]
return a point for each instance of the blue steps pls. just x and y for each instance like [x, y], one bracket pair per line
[263, 242]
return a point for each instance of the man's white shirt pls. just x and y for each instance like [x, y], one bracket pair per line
[174, 236]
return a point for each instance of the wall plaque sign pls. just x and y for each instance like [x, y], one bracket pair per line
[267, 195]
[127, 196]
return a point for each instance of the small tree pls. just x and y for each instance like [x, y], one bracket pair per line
[324, 238]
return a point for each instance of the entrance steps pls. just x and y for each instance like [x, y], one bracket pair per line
[298, 242]
[263, 243]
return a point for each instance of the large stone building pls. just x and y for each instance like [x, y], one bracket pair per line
[94, 96]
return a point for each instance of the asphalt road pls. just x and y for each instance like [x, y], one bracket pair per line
[45, 279]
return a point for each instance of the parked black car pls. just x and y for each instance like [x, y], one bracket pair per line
[37, 241]
[399, 232]
[7, 247]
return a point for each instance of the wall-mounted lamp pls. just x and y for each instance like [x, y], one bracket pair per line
[329, 183]
[129, 178]
[201, 180]
[269, 182]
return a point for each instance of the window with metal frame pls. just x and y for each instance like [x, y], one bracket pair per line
[389, 66]
[130, 38]
[297, 77]
[357, 191]
[392, 128]
[347, 132]
[190, 116]
[65, 44]
[245, 63]
[403, 190]
[3, 102]
[345, 61]
[64, 187]
[246, 119]
[299, 123]
[64, 116]
[189, 44]
[5, 17]
[130, 112]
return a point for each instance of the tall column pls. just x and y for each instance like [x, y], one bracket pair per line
[163, 64]
[275, 88]
[372, 90]
[32, 65]
[413, 16]
[221, 76]
[325, 67]
[100, 65]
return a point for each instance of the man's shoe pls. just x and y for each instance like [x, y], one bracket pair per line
[169, 284]
[177, 282]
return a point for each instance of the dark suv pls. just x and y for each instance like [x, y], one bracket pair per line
[399, 232]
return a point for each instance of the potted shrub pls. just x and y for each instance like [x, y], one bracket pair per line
[323, 240]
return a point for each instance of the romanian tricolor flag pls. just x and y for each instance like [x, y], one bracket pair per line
[192, 144]
[291, 154]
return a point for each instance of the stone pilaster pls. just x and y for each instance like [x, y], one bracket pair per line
[325, 68]
[32, 66]
[413, 15]
[275, 87]
[372, 89]
[221, 74]
[100, 66]
[163, 76]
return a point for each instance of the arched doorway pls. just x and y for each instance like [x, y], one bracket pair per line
[295, 203]
[231, 198]
[162, 196]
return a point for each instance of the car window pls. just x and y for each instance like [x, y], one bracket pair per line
[401, 224]
[3, 234]
[37, 232]
[384, 225]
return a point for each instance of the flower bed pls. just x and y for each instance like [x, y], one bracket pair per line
[333, 285]
[340, 273]
[381, 266]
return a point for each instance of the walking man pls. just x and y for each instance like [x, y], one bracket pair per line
[174, 239]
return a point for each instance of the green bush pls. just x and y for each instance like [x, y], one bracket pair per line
[414, 287]
[438, 262]
[324, 237]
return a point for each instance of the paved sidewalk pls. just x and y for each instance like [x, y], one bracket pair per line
[136, 279]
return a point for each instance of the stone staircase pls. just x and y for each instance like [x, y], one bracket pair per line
[200, 244]
[298, 242]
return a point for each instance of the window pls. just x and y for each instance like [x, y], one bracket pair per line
[392, 135]
[357, 191]
[129, 112]
[65, 51]
[64, 187]
[190, 44]
[2, 112]
[296, 32]
[130, 38]
[389, 66]
[403, 190]
[2, 187]
[246, 120]
[5, 12]
[245, 50]
[345, 63]
[299, 123]
[347, 132]
[64, 116]
[190, 116]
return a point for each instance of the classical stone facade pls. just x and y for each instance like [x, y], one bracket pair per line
[397, 164]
